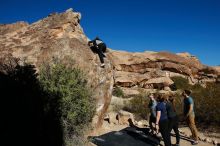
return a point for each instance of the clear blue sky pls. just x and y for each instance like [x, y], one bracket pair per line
[136, 25]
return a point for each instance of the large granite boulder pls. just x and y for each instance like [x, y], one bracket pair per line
[58, 36]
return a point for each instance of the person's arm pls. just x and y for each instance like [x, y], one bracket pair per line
[190, 107]
[157, 121]
[190, 110]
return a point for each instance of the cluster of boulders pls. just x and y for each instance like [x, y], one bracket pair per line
[124, 118]
[154, 70]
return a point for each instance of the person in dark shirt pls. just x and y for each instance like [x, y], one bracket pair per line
[99, 47]
[173, 118]
[162, 121]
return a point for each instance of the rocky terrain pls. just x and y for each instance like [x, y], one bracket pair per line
[217, 68]
[153, 70]
[60, 36]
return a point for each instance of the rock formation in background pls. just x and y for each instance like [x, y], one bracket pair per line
[153, 70]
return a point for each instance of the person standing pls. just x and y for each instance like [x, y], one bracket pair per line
[189, 115]
[152, 106]
[173, 118]
[162, 121]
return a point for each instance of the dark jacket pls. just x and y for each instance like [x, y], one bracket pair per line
[98, 44]
[171, 113]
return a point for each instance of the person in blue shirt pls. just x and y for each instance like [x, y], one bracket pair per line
[162, 120]
[189, 115]
[173, 118]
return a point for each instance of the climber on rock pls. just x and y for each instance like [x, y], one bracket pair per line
[99, 47]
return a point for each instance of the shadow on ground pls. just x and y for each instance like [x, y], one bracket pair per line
[130, 136]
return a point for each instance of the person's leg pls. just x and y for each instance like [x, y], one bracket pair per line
[189, 125]
[102, 48]
[192, 126]
[151, 123]
[170, 124]
[173, 125]
[99, 52]
[165, 133]
[175, 128]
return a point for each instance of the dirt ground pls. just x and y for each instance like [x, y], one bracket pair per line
[123, 135]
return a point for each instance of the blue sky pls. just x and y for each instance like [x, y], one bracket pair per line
[136, 25]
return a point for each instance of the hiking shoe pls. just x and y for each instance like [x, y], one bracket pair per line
[103, 65]
[195, 142]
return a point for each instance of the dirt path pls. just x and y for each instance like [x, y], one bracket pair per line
[120, 135]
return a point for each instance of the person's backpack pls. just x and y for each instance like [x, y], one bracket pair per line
[169, 108]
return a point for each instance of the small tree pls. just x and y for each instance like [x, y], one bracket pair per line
[139, 106]
[118, 92]
[180, 83]
[67, 88]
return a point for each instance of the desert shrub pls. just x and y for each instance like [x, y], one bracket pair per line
[178, 103]
[139, 106]
[180, 83]
[117, 107]
[68, 92]
[207, 103]
[206, 100]
[117, 91]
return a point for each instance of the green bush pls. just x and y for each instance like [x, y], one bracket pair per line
[117, 91]
[207, 103]
[68, 92]
[206, 100]
[180, 83]
[139, 106]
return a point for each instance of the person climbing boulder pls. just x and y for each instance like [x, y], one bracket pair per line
[99, 47]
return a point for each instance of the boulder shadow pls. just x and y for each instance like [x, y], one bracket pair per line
[28, 116]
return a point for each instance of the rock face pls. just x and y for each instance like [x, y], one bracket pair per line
[57, 36]
[152, 70]
[7, 28]
[218, 69]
